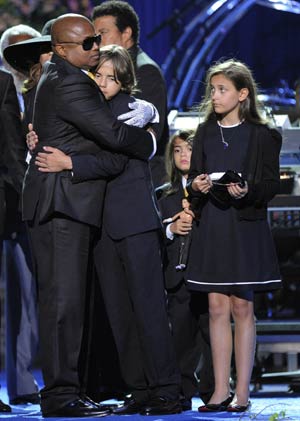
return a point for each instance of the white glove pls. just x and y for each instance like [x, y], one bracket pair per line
[142, 113]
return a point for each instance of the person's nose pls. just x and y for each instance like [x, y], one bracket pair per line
[102, 82]
[183, 153]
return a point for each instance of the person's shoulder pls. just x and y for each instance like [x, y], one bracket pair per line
[62, 67]
[119, 103]
[267, 129]
[268, 135]
[143, 59]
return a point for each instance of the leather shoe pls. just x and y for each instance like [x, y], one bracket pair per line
[159, 405]
[33, 398]
[77, 408]
[216, 407]
[102, 406]
[130, 406]
[4, 407]
[235, 407]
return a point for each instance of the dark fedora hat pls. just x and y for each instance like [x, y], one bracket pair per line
[22, 55]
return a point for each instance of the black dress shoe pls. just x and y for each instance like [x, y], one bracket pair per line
[130, 406]
[102, 406]
[159, 405]
[77, 408]
[4, 407]
[216, 407]
[235, 407]
[33, 398]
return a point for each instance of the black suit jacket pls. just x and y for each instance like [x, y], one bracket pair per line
[152, 87]
[169, 205]
[130, 204]
[12, 154]
[71, 114]
[12, 146]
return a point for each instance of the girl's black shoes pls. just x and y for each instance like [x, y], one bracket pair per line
[216, 407]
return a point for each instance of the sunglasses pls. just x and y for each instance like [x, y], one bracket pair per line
[87, 43]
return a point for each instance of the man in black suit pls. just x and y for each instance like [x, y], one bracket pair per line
[117, 23]
[70, 113]
[12, 159]
[128, 262]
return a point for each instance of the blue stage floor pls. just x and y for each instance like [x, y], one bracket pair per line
[271, 400]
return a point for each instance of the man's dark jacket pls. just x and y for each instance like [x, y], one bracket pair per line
[130, 204]
[77, 120]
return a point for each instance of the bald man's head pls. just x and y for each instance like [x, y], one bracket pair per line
[73, 39]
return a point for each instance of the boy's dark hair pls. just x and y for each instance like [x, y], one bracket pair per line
[122, 64]
[124, 13]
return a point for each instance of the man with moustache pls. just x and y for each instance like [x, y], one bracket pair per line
[70, 114]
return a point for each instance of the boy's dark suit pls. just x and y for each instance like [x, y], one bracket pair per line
[128, 262]
[188, 312]
[71, 114]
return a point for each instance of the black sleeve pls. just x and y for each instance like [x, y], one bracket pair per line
[153, 89]
[79, 106]
[13, 146]
[102, 165]
[261, 193]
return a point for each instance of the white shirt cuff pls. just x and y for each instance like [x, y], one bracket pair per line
[169, 233]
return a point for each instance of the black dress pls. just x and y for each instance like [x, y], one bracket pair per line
[227, 254]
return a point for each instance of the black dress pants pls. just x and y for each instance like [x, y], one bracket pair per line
[61, 250]
[131, 279]
[188, 313]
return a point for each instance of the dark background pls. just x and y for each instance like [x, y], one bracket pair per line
[265, 39]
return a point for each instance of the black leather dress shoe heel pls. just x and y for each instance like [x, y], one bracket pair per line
[77, 408]
[130, 407]
[159, 405]
[4, 407]
[235, 407]
[216, 407]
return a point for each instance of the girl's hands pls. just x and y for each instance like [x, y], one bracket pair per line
[202, 183]
[236, 191]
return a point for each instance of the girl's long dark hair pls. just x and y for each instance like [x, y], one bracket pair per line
[174, 176]
[241, 77]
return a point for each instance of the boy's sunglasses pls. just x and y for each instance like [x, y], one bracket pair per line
[87, 43]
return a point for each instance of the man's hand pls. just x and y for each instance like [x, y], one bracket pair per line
[31, 138]
[53, 160]
[142, 113]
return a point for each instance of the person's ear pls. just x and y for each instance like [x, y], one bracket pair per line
[244, 92]
[60, 50]
[127, 37]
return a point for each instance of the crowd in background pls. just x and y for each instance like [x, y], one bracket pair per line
[36, 12]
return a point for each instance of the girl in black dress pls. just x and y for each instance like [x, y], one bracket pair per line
[232, 252]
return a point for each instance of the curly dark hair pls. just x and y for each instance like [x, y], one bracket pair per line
[124, 13]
